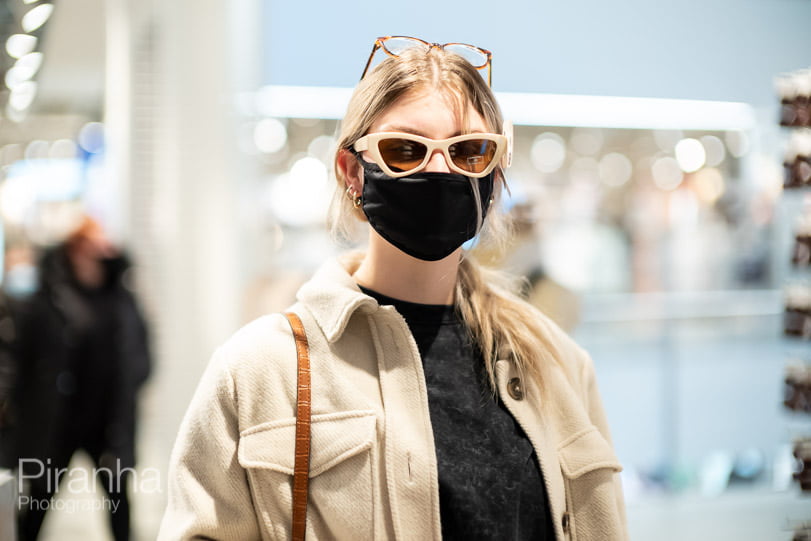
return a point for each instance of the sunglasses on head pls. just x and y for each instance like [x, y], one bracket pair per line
[394, 46]
[400, 154]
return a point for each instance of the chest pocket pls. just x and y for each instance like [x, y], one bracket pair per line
[342, 475]
[589, 465]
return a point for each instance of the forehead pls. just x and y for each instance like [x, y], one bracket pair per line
[431, 113]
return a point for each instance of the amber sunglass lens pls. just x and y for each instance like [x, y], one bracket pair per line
[473, 155]
[402, 154]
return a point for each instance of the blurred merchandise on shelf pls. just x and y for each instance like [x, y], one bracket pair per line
[798, 311]
[801, 254]
[797, 395]
[797, 163]
[794, 90]
[802, 452]
[802, 533]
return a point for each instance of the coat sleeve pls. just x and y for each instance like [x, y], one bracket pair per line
[597, 415]
[209, 496]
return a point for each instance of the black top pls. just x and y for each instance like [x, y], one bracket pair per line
[490, 481]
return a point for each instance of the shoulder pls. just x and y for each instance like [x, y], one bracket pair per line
[260, 345]
[252, 374]
[258, 334]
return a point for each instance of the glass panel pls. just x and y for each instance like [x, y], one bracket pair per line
[469, 53]
[396, 46]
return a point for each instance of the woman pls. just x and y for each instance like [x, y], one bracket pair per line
[443, 406]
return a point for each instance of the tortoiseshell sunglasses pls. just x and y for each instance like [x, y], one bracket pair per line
[395, 45]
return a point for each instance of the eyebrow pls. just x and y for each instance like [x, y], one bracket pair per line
[415, 131]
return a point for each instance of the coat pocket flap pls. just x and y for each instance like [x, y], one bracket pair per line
[586, 451]
[335, 437]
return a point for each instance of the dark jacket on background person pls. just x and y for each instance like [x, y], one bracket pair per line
[8, 376]
[82, 354]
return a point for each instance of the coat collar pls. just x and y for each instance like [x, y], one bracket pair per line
[332, 296]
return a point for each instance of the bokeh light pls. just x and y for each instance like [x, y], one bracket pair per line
[714, 150]
[322, 147]
[301, 197]
[23, 70]
[767, 175]
[584, 170]
[615, 169]
[38, 16]
[270, 135]
[708, 185]
[667, 139]
[91, 137]
[37, 150]
[737, 143]
[19, 45]
[667, 174]
[22, 95]
[586, 141]
[14, 77]
[548, 152]
[63, 149]
[16, 198]
[11, 153]
[690, 154]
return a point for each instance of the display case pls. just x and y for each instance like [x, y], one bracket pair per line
[794, 90]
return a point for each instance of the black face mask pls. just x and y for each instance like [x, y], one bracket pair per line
[426, 215]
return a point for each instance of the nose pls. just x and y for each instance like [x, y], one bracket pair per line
[437, 163]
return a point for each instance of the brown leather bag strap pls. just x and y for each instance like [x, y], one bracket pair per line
[301, 468]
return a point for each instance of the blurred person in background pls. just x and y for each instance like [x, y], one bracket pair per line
[8, 372]
[19, 282]
[523, 257]
[82, 354]
[443, 405]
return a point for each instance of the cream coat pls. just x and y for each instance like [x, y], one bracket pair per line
[373, 462]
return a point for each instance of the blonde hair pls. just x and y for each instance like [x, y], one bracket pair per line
[502, 324]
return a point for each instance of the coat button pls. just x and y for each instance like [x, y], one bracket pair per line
[515, 389]
[565, 522]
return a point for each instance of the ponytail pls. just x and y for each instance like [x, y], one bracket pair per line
[502, 324]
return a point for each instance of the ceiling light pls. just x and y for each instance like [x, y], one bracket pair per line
[30, 63]
[19, 45]
[38, 16]
[538, 109]
[22, 96]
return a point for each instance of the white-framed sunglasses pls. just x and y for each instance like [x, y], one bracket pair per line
[400, 154]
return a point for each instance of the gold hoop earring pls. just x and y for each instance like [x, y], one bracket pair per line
[354, 197]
